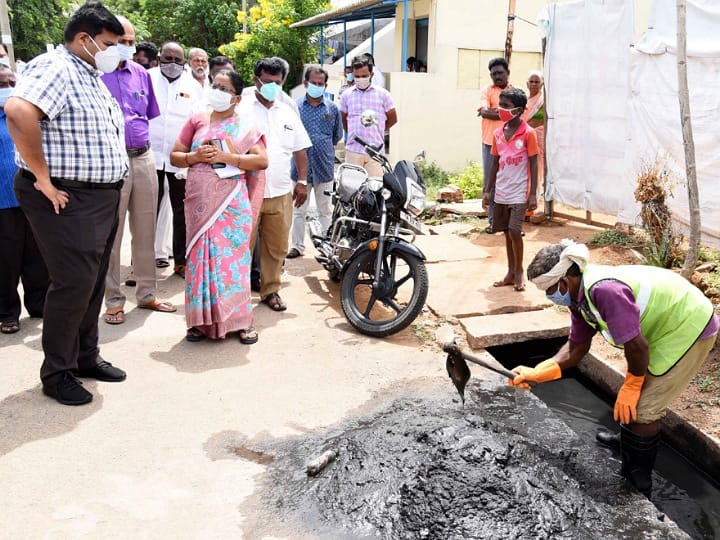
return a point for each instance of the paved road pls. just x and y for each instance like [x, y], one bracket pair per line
[141, 461]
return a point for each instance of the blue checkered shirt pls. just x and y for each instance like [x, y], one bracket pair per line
[83, 132]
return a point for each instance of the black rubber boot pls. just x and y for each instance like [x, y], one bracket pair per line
[608, 439]
[638, 458]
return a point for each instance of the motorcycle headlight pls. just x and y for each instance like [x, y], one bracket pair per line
[415, 202]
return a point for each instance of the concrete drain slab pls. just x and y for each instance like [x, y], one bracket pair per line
[503, 329]
[438, 248]
[465, 289]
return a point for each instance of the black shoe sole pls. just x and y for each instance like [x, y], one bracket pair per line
[67, 401]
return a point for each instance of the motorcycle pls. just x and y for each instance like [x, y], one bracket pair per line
[369, 247]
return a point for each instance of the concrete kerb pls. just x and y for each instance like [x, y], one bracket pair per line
[700, 448]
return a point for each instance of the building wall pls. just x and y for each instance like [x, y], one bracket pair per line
[437, 111]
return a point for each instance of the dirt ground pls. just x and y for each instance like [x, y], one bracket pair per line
[700, 403]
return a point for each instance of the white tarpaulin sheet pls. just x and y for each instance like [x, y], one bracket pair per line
[613, 109]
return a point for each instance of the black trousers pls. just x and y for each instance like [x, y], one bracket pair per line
[176, 189]
[76, 246]
[20, 258]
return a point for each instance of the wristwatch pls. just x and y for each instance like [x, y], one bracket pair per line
[303, 182]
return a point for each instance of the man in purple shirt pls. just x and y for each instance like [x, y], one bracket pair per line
[130, 85]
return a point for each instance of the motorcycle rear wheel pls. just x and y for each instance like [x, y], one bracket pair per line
[383, 311]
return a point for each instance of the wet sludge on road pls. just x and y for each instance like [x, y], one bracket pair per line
[424, 466]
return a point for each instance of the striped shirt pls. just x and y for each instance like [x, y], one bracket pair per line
[354, 102]
[83, 132]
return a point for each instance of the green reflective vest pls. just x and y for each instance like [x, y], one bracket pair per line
[673, 312]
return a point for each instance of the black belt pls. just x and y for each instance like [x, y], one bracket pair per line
[135, 152]
[60, 182]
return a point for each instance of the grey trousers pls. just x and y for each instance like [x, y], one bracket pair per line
[138, 198]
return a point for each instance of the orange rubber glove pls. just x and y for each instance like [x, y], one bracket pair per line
[627, 398]
[545, 371]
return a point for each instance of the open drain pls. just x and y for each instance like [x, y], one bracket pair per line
[682, 491]
[504, 466]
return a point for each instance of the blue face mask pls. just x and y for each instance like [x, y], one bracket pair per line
[315, 91]
[4, 95]
[270, 90]
[559, 298]
[349, 77]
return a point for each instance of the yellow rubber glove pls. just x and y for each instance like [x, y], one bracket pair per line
[545, 371]
[627, 398]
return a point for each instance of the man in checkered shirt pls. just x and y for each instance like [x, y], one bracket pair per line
[366, 96]
[70, 140]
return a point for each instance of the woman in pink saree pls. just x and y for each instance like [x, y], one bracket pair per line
[225, 156]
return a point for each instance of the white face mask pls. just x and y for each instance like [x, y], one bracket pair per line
[362, 82]
[107, 60]
[171, 70]
[126, 52]
[219, 101]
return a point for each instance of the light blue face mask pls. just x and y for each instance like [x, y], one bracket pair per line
[349, 77]
[559, 298]
[4, 95]
[270, 90]
[315, 91]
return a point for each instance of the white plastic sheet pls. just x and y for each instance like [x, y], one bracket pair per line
[613, 109]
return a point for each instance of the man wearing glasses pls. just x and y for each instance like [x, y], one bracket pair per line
[176, 92]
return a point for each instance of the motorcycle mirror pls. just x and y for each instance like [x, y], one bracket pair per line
[420, 157]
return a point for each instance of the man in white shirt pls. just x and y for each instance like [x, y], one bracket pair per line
[282, 96]
[286, 139]
[176, 92]
[198, 63]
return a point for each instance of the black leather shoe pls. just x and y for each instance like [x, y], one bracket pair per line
[104, 371]
[608, 439]
[68, 391]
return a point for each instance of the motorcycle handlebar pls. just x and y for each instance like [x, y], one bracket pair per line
[374, 152]
[363, 142]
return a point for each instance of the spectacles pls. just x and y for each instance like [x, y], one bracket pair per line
[223, 89]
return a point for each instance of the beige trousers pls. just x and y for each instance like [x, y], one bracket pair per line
[658, 392]
[274, 221]
[138, 198]
[372, 167]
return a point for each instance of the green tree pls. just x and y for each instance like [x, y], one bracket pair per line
[206, 23]
[35, 23]
[269, 34]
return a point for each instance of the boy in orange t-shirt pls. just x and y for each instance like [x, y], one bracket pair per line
[513, 177]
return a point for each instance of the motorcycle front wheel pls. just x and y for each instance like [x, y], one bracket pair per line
[380, 311]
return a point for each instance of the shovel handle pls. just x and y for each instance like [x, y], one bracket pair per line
[452, 348]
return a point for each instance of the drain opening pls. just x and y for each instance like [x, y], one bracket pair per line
[586, 407]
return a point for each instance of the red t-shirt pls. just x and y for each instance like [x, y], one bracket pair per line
[512, 183]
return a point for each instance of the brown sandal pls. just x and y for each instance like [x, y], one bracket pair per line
[248, 336]
[114, 318]
[193, 335]
[274, 302]
[9, 327]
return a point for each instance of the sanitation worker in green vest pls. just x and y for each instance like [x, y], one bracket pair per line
[664, 324]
